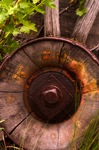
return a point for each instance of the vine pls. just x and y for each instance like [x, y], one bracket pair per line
[81, 10]
[15, 19]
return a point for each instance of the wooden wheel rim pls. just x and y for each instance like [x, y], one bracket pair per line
[68, 59]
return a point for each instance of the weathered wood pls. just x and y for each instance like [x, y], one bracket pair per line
[67, 19]
[74, 58]
[84, 24]
[12, 110]
[67, 23]
[10, 87]
[89, 106]
[93, 37]
[47, 53]
[16, 71]
[51, 21]
[13, 78]
[33, 134]
[44, 53]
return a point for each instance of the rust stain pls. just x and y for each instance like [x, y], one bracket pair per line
[31, 78]
[57, 55]
[10, 99]
[46, 55]
[26, 87]
[91, 86]
[88, 83]
[19, 74]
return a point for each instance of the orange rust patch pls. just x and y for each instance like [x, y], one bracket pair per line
[46, 55]
[57, 55]
[87, 81]
[91, 86]
[19, 73]
[10, 99]
[65, 58]
[26, 87]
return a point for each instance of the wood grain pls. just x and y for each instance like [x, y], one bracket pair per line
[84, 23]
[44, 53]
[13, 78]
[80, 62]
[12, 110]
[35, 135]
[16, 72]
[51, 21]
[88, 110]
[21, 124]
[93, 36]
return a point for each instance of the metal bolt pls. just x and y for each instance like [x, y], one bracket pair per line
[51, 95]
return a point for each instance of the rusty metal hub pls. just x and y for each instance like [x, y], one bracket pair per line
[52, 97]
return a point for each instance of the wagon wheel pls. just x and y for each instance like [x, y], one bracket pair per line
[48, 87]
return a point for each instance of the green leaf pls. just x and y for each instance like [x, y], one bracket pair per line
[25, 29]
[13, 46]
[7, 2]
[24, 5]
[13, 9]
[35, 1]
[3, 17]
[82, 2]
[15, 31]
[27, 26]
[40, 9]
[14, 19]
[81, 12]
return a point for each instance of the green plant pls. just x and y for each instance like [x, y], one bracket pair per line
[15, 19]
[91, 136]
[81, 10]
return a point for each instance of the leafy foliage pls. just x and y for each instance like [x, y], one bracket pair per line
[14, 20]
[81, 10]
